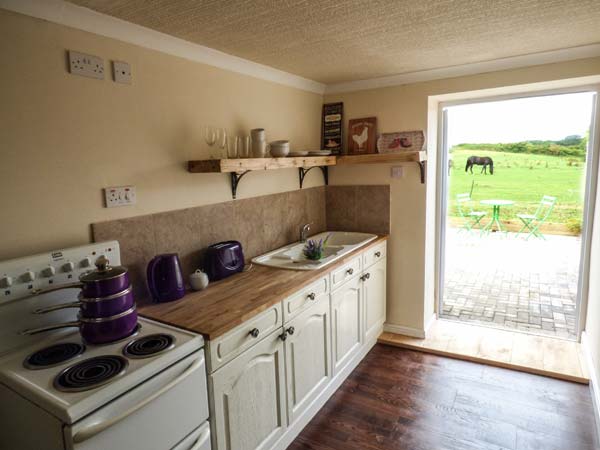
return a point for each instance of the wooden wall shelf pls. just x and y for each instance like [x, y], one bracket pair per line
[245, 164]
[237, 168]
[382, 158]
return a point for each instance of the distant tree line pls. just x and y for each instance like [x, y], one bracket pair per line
[573, 146]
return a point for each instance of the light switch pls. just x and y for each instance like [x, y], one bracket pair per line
[397, 172]
[121, 72]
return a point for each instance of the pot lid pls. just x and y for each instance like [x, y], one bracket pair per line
[104, 271]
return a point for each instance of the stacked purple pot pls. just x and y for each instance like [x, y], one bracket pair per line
[107, 310]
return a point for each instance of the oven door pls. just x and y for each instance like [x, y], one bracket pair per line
[156, 415]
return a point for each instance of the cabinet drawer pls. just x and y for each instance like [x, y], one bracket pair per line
[374, 254]
[244, 336]
[306, 297]
[346, 272]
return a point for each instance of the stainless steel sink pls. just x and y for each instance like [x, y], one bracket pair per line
[339, 243]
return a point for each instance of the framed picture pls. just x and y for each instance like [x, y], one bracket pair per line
[362, 134]
[401, 141]
[331, 127]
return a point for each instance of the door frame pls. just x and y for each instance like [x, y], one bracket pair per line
[591, 187]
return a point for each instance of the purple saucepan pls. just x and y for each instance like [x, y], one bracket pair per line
[105, 280]
[97, 307]
[99, 330]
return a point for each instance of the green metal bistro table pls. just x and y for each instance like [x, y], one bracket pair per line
[496, 204]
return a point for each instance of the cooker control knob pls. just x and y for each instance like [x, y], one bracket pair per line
[49, 271]
[6, 281]
[68, 267]
[28, 276]
[86, 262]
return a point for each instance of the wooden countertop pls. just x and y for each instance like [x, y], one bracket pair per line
[227, 303]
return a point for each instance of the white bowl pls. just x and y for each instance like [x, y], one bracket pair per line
[279, 149]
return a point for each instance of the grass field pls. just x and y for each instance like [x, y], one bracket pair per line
[523, 178]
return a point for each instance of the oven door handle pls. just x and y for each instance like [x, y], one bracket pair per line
[201, 440]
[95, 428]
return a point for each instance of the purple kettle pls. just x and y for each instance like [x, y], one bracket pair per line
[165, 280]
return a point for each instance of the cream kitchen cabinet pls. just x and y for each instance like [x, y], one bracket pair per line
[374, 299]
[270, 375]
[249, 398]
[346, 316]
[308, 356]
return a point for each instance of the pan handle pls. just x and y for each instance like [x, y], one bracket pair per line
[48, 309]
[56, 326]
[76, 284]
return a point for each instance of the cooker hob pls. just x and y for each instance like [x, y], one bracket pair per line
[90, 373]
[150, 345]
[53, 355]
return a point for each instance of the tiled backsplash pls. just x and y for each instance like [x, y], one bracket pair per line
[259, 223]
[358, 208]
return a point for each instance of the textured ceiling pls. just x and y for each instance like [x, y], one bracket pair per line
[345, 40]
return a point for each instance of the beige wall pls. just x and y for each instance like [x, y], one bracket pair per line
[406, 108]
[63, 137]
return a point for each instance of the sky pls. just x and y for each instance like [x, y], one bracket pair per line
[552, 117]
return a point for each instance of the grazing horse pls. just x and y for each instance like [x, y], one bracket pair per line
[480, 161]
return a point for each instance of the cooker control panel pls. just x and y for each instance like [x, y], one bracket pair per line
[24, 277]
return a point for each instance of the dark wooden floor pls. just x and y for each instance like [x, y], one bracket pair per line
[400, 399]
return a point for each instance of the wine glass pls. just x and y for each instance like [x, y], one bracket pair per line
[222, 141]
[234, 146]
[210, 137]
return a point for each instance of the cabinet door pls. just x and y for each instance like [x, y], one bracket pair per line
[308, 356]
[346, 315]
[249, 398]
[374, 297]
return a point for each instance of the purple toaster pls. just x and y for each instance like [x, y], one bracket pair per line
[223, 259]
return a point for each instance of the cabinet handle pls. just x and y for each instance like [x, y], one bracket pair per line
[311, 296]
[291, 330]
[377, 254]
[350, 271]
[254, 332]
[283, 336]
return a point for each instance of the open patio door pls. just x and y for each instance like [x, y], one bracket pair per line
[515, 215]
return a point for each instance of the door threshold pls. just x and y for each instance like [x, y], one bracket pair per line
[539, 355]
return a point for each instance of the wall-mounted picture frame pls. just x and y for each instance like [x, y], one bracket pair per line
[362, 135]
[401, 141]
[332, 127]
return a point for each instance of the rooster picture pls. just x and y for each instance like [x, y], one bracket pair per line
[361, 138]
[361, 135]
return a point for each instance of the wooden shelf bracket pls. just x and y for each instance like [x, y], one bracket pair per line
[422, 169]
[235, 180]
[302, 173]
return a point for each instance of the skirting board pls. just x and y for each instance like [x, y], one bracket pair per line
[594, 382]
[406, 331]
[295, 428]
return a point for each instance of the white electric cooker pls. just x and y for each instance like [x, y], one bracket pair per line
[145, 392]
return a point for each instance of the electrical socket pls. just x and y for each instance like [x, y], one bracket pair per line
[121, 72]
[86, 65]
[119, 196]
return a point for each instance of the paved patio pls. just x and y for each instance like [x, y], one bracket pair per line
[504, 281]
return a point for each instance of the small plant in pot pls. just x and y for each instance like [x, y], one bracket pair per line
[313, 249]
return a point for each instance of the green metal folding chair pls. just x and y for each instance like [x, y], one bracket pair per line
[532, 222]
[465, 210]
